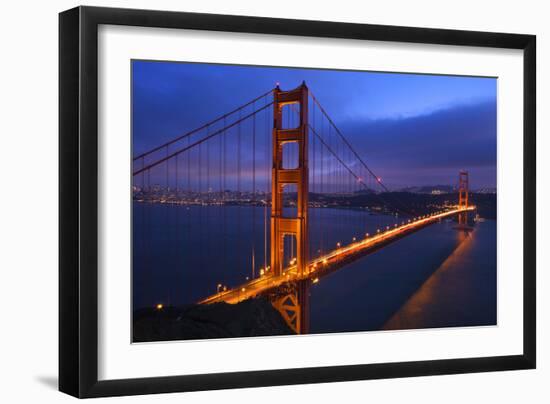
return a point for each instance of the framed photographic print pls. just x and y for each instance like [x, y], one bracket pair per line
[251, 201]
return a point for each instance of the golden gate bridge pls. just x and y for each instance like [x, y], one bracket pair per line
[283, 154]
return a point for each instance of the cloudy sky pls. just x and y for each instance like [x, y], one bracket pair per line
[411, 129]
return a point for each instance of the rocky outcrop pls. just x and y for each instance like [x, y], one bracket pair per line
[252, 317]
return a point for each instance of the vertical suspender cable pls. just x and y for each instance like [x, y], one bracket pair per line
[208, 165]
[253, 188]
[267, 173]
[167, 187]
[224, 236]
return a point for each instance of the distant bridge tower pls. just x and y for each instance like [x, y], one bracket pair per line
[296, 226]
[463, 197]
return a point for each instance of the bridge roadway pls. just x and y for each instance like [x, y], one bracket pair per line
[331, 261]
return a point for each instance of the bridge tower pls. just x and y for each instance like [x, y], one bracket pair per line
[296, 226]
[463, 197]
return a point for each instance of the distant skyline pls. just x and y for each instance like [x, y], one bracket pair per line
[412, 129]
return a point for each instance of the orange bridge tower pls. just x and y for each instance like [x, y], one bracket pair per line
[293, 308]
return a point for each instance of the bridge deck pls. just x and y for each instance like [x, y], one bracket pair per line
[329, 262]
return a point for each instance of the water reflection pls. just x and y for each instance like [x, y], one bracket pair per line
[462, 291]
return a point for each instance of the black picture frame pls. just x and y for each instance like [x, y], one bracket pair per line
[78, 196]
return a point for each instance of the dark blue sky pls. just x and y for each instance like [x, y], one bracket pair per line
[411, 129]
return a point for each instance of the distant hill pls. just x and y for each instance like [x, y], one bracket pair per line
[430, 189]
[485, 191]
[443, 189]
[411, 203]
